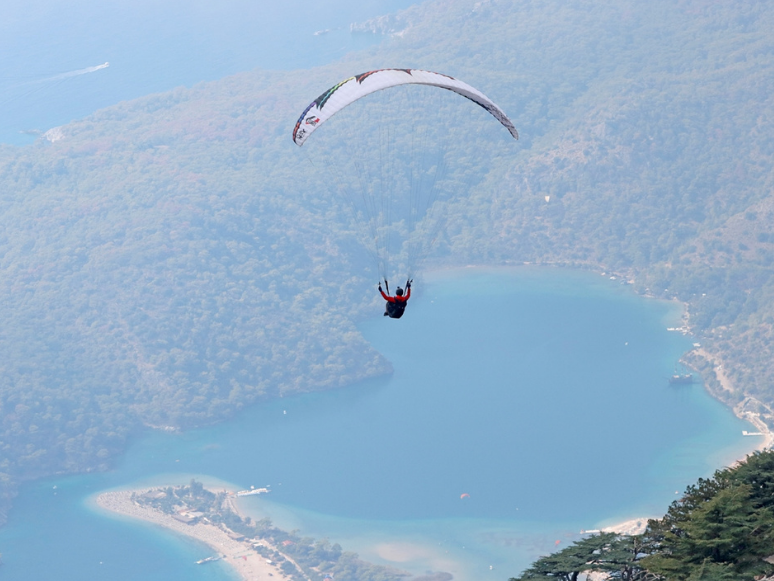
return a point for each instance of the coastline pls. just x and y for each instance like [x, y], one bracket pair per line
[710, 366]
[635, 526]
[746, 410]
[632, 526]
[713, 368]
[239, 555]
[741, 410]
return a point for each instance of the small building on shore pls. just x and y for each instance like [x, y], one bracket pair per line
[185, 518]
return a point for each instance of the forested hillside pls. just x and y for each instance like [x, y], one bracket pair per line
[721, 529]
[172, 259]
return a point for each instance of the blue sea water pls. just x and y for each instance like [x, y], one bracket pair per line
[540, 393]
[155, 46]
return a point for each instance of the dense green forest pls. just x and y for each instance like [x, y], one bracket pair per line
[169, 260]
[722, 529]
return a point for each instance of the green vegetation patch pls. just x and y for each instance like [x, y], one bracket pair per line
[722, 529]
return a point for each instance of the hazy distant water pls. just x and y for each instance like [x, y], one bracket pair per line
[155, 46]
[541, 393]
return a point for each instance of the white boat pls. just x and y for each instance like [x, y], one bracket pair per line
[252, 491]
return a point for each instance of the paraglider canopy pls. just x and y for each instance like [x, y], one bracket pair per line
[394, 157]
[350, 90]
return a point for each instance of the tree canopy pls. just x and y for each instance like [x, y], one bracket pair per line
[721, 529]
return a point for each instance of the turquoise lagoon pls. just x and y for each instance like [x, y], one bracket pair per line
[540, 393]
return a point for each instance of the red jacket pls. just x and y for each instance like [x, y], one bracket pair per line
[396, 299]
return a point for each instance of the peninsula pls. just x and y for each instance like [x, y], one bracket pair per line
[256, 550]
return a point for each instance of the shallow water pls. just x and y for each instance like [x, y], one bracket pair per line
[540, 393]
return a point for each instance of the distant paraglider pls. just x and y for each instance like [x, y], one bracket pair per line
[464, 495]
[396, 305]
[387, 156]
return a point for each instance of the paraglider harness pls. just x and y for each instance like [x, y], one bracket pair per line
[395, 305]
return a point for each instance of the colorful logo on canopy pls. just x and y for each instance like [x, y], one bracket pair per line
[363, 76]
[298, 131]
[322, 99]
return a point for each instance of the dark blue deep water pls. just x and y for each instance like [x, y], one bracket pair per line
[541, 393]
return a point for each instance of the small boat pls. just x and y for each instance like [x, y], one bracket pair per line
[252, 491]
[207, 560]
[681, 379]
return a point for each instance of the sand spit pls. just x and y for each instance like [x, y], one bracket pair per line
[238, 554]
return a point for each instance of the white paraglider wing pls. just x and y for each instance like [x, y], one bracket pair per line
[350, 90]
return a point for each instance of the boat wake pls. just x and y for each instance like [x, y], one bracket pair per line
[76, 73]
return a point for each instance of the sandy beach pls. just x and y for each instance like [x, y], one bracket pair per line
[635, 526]
[237, 554]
